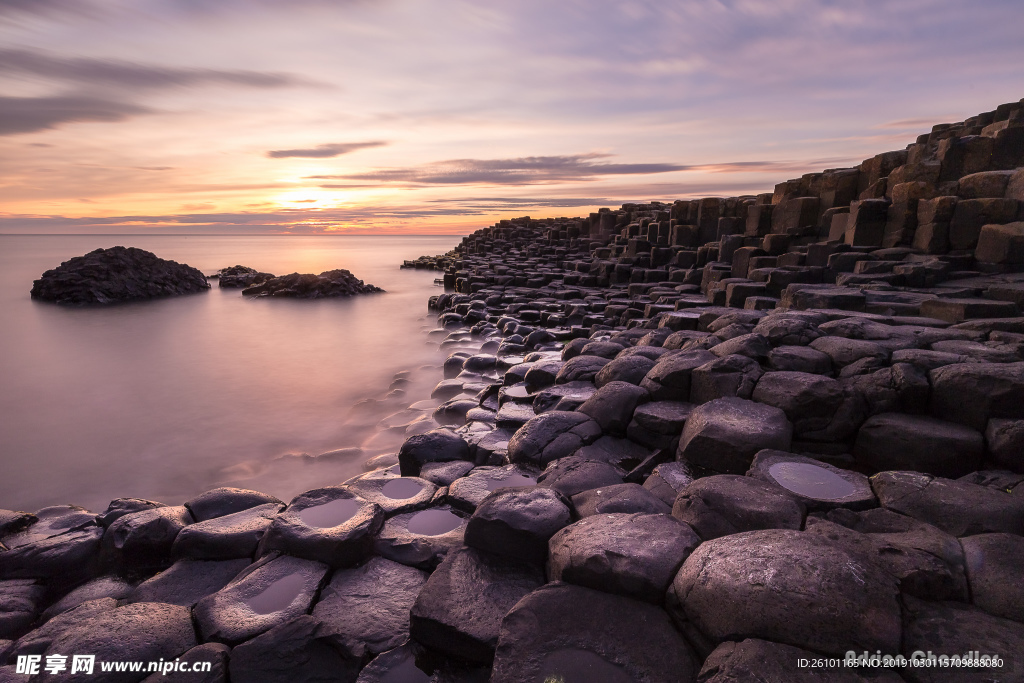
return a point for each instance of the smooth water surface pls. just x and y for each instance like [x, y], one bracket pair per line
[278, 595]
[812, 481]
[330, 514]
[165, 399]
[401, 488]
[433, 522]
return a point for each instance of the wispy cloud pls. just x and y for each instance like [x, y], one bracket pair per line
[324, 151]
[83, 71]
[31, 114]
[519, 171]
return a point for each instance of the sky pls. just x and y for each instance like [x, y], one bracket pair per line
[444, 116]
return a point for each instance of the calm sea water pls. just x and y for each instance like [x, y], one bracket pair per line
[165, 399]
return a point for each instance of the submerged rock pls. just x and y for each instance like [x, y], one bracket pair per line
[117, 274]
[330, 283]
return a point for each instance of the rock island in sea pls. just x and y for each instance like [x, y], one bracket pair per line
[702, 440]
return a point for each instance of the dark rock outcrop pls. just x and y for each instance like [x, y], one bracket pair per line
[330, 283]
[107, 276]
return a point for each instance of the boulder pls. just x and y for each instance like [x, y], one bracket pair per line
[267, 594]
[753, 659]
[36, 641]
[144, 539]
[300, 650]
[572, 475]
[627, 498]
[225, 501]
[894, 441]
[366, 609]
[957, 507]
[725, 434]
[227, 537]
[581, 369]
[551, 436]
[394, 494]
[790, 587]
[632, 554]
[20, 603]
[469, 491]
[952, 628]
[142, 633]
[619, 452]
[844, 351]
[1005, 440]
[330, 525]
[459, 611]
[816, 484]
[423, 538]
[631, 369]
[330, 283]
[819, 407]
[667, 480]
[186, 582]
[927, 562]
[240, 276]
[784, 330]
[214, 655]
[104, 587]
[753, 345]
[669, 379]
[106, 276]
[724, 377]
[399, 666]
[800, 359]
[995, 570]
[563, 632]
[119, 507]
[438, 445]
[612, 406]
[12, 522]
[728, 504]
[971, 393]
[445, 473]
[517, 522]
[68, 557]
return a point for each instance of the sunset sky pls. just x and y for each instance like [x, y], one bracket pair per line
[442, 116]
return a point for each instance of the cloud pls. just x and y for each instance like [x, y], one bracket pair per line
[123, 74]
[324, 151]
[31, 114]
[519, 171]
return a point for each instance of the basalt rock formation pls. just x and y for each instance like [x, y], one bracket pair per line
[330, 283]
[701, 441]
[117, 274]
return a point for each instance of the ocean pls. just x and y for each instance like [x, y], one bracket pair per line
[165, 399]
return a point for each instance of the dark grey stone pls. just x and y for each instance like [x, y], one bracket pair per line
[758, 660]
[572, 475]
[551, 436]
[331, 525]
[724, 377]
[800, 359]
[972, 393]
[893, 441]
[422, 538]
[393, 494]
[216, 654]
[466, 493]
[517, 522]
[636, 554]
[670, 378]
[366, 609]
[68, 557]
[667, 480]
[725, 434]
[300, 650]
[819, 407]
[581, 369]
[958, 508]
[186, 582]
[20, 603]
[227, 537]
[144, 539]
[459, 611]
[563, 632]
[627, 498]
[790, 587]
[631, 369]
[816, 484]
[995, 570]
[225, 501]
[613, 404]
[267, 594]
[728, 504]
[438, 445]
[103, 587]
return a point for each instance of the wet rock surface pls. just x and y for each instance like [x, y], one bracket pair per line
[822, 383]
[330, 283]
[117, 274]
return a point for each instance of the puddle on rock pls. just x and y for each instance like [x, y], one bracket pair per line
[330, 514]
[433, 522]
[810, 480]
[277, 595]
[400, 489]
[572, 665]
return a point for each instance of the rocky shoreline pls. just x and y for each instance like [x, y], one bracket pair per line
[714, 440]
